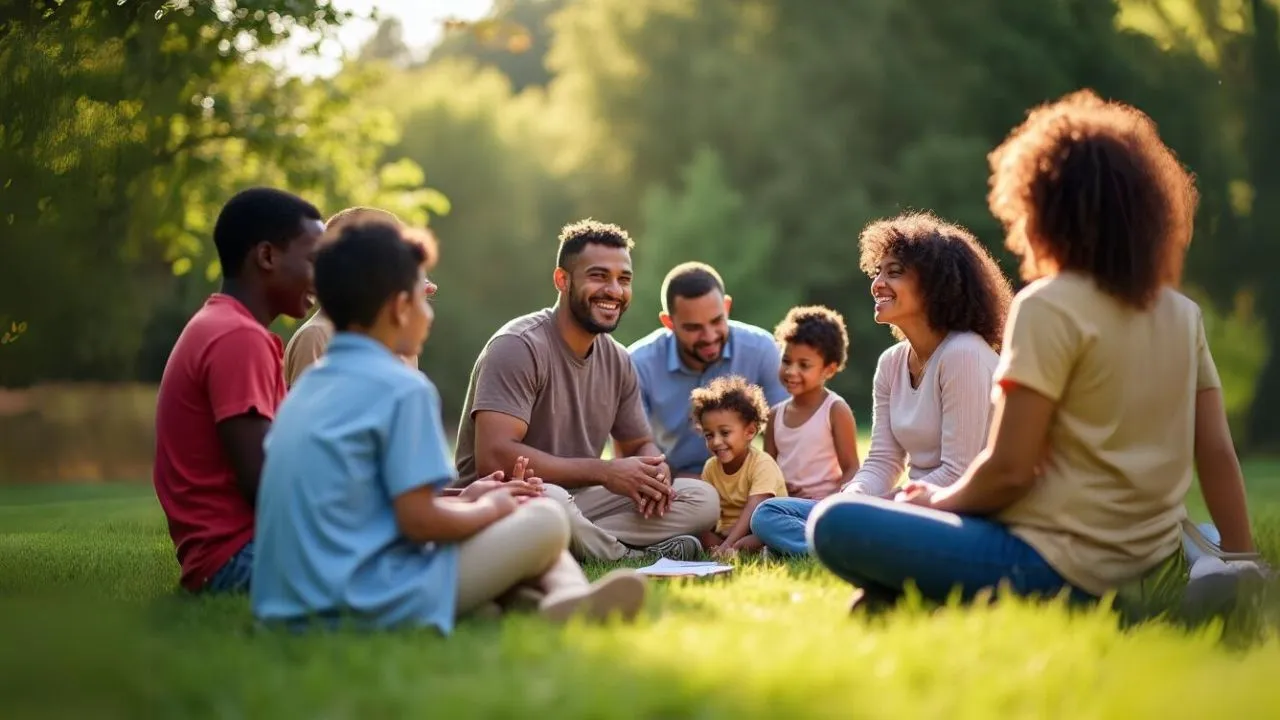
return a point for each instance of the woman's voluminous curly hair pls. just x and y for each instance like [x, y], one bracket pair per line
[1087, 185]
[962, 286]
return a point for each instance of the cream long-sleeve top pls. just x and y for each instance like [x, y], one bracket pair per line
[934, 430]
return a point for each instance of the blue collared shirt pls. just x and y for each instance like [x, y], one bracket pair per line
[357, 430]
[666, 384]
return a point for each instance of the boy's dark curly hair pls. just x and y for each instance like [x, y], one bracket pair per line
[1088, 185]
[963, 288]
[734, 393]
[819, 327]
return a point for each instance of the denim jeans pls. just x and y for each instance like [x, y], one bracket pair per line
[233, 577]
[779, 523]
[879, 545]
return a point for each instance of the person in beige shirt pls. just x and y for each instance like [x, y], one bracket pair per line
[1107, 396]
[308, 343]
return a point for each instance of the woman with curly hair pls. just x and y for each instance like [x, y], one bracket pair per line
[945, 299]
[1108, 395]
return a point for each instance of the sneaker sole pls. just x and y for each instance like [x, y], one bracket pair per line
[617, 594]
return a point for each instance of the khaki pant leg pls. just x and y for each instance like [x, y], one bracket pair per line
[521, 546]
[695, 510]
[587, 541]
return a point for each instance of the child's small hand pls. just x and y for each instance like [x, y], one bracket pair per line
[522, 466]
[483, 486]
[523, 473]
[527, 489]
[523, 484]
[503, 500]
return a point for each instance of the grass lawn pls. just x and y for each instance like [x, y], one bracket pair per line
[91, 626]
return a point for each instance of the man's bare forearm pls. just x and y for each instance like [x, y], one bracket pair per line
[645, 449]
[565, 472]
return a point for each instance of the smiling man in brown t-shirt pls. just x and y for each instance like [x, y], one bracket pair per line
[553, 386]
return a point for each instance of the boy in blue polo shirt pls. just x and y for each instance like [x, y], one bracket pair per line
[353, 518]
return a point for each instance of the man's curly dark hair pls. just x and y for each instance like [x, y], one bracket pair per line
[731, 392]
[1089, 186]
[963, 288]
[819, 327]
[576, 236]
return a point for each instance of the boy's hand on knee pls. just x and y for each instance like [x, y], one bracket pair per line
[523, 480]
[521, 484]
[502, 500]
[521, 489]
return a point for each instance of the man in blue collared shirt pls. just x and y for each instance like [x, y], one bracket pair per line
[697, 344]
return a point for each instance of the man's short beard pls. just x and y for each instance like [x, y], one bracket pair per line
[580, 309]
[692, 353]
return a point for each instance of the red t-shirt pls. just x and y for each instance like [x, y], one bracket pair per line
[224, 364]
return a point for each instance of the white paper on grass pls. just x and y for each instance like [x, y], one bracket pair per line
[673, 568]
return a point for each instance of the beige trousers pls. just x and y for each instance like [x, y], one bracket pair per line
[521, 546]
[603, 524]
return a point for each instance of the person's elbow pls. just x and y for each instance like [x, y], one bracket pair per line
[1213, 447]
[494, 451]
[421, 519]
[1214, 454]
[1011, 476]
[489, 457]
[414, 520]
[421, 531]
[415, 530]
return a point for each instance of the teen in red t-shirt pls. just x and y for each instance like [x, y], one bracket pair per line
[223, 382]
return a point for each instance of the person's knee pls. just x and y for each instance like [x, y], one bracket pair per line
[833, 519]
[704, 505]
[556, 493]
[547, 524]
[765, 515]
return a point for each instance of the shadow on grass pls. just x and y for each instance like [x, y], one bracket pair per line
[178, 656]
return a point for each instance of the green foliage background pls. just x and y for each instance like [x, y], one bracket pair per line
[758, 135]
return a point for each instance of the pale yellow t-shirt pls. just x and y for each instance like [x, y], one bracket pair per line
[759, 475]
[1121, 445]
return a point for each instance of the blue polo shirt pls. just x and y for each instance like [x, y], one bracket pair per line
[357, 430]
[666, 384]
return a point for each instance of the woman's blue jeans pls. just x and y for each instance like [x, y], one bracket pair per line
[879, 545]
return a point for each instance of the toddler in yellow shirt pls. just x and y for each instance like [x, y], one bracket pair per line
[731, 412]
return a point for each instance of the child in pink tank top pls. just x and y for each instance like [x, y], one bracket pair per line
[812, 435]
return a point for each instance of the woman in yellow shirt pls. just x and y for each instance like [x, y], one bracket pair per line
[1107, 394]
